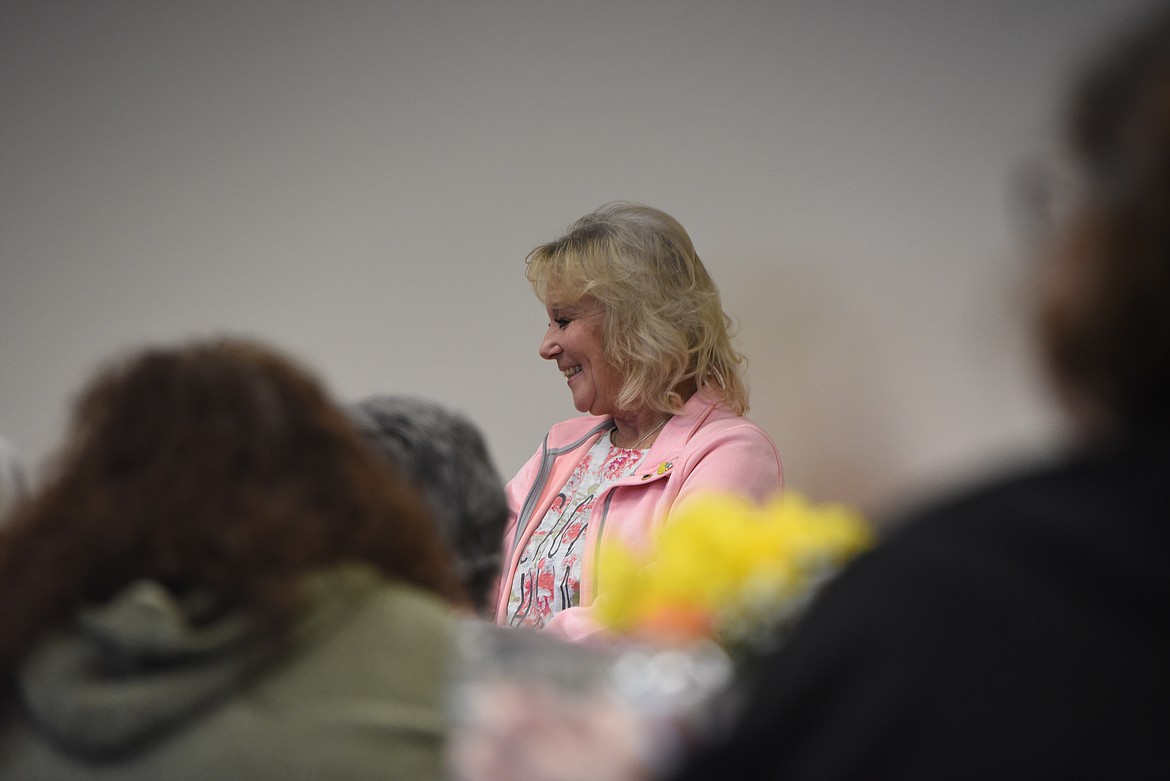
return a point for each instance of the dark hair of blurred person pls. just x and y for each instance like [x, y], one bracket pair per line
[211, 513]
[1105, 304]
[1019, 630]
[444, 455]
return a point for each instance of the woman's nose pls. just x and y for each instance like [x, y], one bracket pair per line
[548, 345]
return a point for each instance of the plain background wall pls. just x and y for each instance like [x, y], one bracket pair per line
[359, 182]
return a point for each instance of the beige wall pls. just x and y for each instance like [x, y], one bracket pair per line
[358, 183]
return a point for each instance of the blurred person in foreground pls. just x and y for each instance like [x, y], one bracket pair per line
[220, 579]
[444, 455]
[525, 705]
[1022, 629]
[637, 329]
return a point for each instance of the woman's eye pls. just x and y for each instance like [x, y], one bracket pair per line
[562, 321]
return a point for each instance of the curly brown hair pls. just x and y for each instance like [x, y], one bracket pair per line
[218, 465]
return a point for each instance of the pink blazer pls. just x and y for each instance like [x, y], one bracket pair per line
[704, 447]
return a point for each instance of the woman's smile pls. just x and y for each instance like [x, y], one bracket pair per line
[575, 343]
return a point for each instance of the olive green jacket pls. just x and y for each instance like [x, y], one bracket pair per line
[149, 687]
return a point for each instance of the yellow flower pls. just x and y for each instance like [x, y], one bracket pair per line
[725, 566]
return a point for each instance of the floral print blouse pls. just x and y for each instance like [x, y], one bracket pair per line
[548, 579]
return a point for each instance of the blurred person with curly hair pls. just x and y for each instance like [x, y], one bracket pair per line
[220, 579]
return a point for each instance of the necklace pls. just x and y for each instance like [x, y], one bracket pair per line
[645, 436]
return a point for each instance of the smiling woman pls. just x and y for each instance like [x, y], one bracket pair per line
[637, 328]
[573, 340]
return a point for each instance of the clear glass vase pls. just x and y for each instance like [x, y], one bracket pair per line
[527, 706]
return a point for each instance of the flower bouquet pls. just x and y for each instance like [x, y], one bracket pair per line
[725, 568]
[725, 577]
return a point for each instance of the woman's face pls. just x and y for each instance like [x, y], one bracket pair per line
[574, 341]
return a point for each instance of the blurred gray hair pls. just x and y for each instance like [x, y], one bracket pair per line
[444, 455]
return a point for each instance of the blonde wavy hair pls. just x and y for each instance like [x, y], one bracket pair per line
[664, 326]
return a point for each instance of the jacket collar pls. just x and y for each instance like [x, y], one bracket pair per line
[678, 430]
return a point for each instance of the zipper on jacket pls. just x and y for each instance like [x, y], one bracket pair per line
[548, 457]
